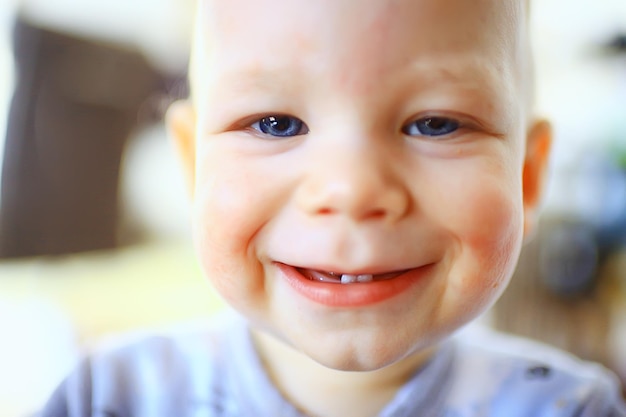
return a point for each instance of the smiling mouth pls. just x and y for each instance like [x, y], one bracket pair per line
[340, 278]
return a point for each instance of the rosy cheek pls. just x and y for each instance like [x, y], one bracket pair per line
[485, 219]
[496, 236]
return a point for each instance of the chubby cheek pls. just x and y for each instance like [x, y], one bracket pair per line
[227, 214]
[488, 230]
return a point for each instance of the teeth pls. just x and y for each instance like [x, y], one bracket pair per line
[365, 278]
[337, 277]
[349, 279]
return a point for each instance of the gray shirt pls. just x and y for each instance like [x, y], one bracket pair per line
[215, 372]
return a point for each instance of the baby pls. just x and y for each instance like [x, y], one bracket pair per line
[363, 175]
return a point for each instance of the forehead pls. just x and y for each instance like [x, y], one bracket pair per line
[356, 42]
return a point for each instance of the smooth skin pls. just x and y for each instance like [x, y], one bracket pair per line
[359, 137]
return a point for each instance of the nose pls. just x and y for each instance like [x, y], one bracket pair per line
[357, 181]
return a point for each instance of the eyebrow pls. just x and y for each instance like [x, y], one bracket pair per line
[244, 81]
[455, 69]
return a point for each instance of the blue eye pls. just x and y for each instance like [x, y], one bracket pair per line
[281, 126]
[431, 126]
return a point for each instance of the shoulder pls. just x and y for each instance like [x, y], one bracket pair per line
[156, 374]
[512, 376]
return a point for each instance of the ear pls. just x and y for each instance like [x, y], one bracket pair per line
[538, 145]
[181, 123]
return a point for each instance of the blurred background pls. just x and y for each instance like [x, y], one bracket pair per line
[94, 235]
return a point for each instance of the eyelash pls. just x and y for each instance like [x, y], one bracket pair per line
[284, 126]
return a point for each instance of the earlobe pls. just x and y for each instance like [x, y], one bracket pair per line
[538, 145]
[181, 123]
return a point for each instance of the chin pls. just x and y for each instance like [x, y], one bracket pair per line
[353, 363]
[362, 356]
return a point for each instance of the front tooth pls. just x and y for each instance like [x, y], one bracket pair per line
[365, 278]
[348, 279]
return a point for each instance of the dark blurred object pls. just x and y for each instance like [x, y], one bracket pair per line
[617, 43]
[579, 244]
[568, 259]
[75, 104]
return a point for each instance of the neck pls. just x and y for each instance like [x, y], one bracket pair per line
[323, 392]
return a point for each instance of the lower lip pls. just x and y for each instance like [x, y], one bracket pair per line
[351, 295]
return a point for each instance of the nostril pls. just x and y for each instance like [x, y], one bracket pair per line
[370, 214]
[324, 211]
[377, 214]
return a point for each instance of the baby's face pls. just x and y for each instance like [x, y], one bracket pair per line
[359, 167]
